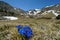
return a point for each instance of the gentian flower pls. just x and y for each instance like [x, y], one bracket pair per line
[26, 31]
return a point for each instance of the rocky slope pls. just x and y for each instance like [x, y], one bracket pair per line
[7, 10]
[48, 10]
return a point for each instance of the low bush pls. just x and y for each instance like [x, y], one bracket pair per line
[58, 17]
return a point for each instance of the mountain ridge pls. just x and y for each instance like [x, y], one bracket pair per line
[7, 10]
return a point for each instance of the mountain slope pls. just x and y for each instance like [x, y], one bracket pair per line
[55, 7]
[5, 6]
[7, 10]
[46, 11]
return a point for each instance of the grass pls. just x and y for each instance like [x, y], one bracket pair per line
[44, 29]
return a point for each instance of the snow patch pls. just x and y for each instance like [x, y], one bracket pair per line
[37, 9]
[56, 14]
[10, 17]
[34, 12]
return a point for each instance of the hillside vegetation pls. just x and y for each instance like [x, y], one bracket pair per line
[44, 29]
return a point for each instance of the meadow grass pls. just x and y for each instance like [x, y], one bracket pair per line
[43, 29]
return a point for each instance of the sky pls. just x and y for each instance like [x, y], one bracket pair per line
[31, 4]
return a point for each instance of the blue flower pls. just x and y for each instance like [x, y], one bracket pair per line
[26, 31]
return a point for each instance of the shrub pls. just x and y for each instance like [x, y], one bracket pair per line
[58, 17]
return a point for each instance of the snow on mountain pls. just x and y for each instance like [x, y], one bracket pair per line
[34, 12]
[38, 10]
[56, 14]
[49, 6]
[48, 11]
[54, 9]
